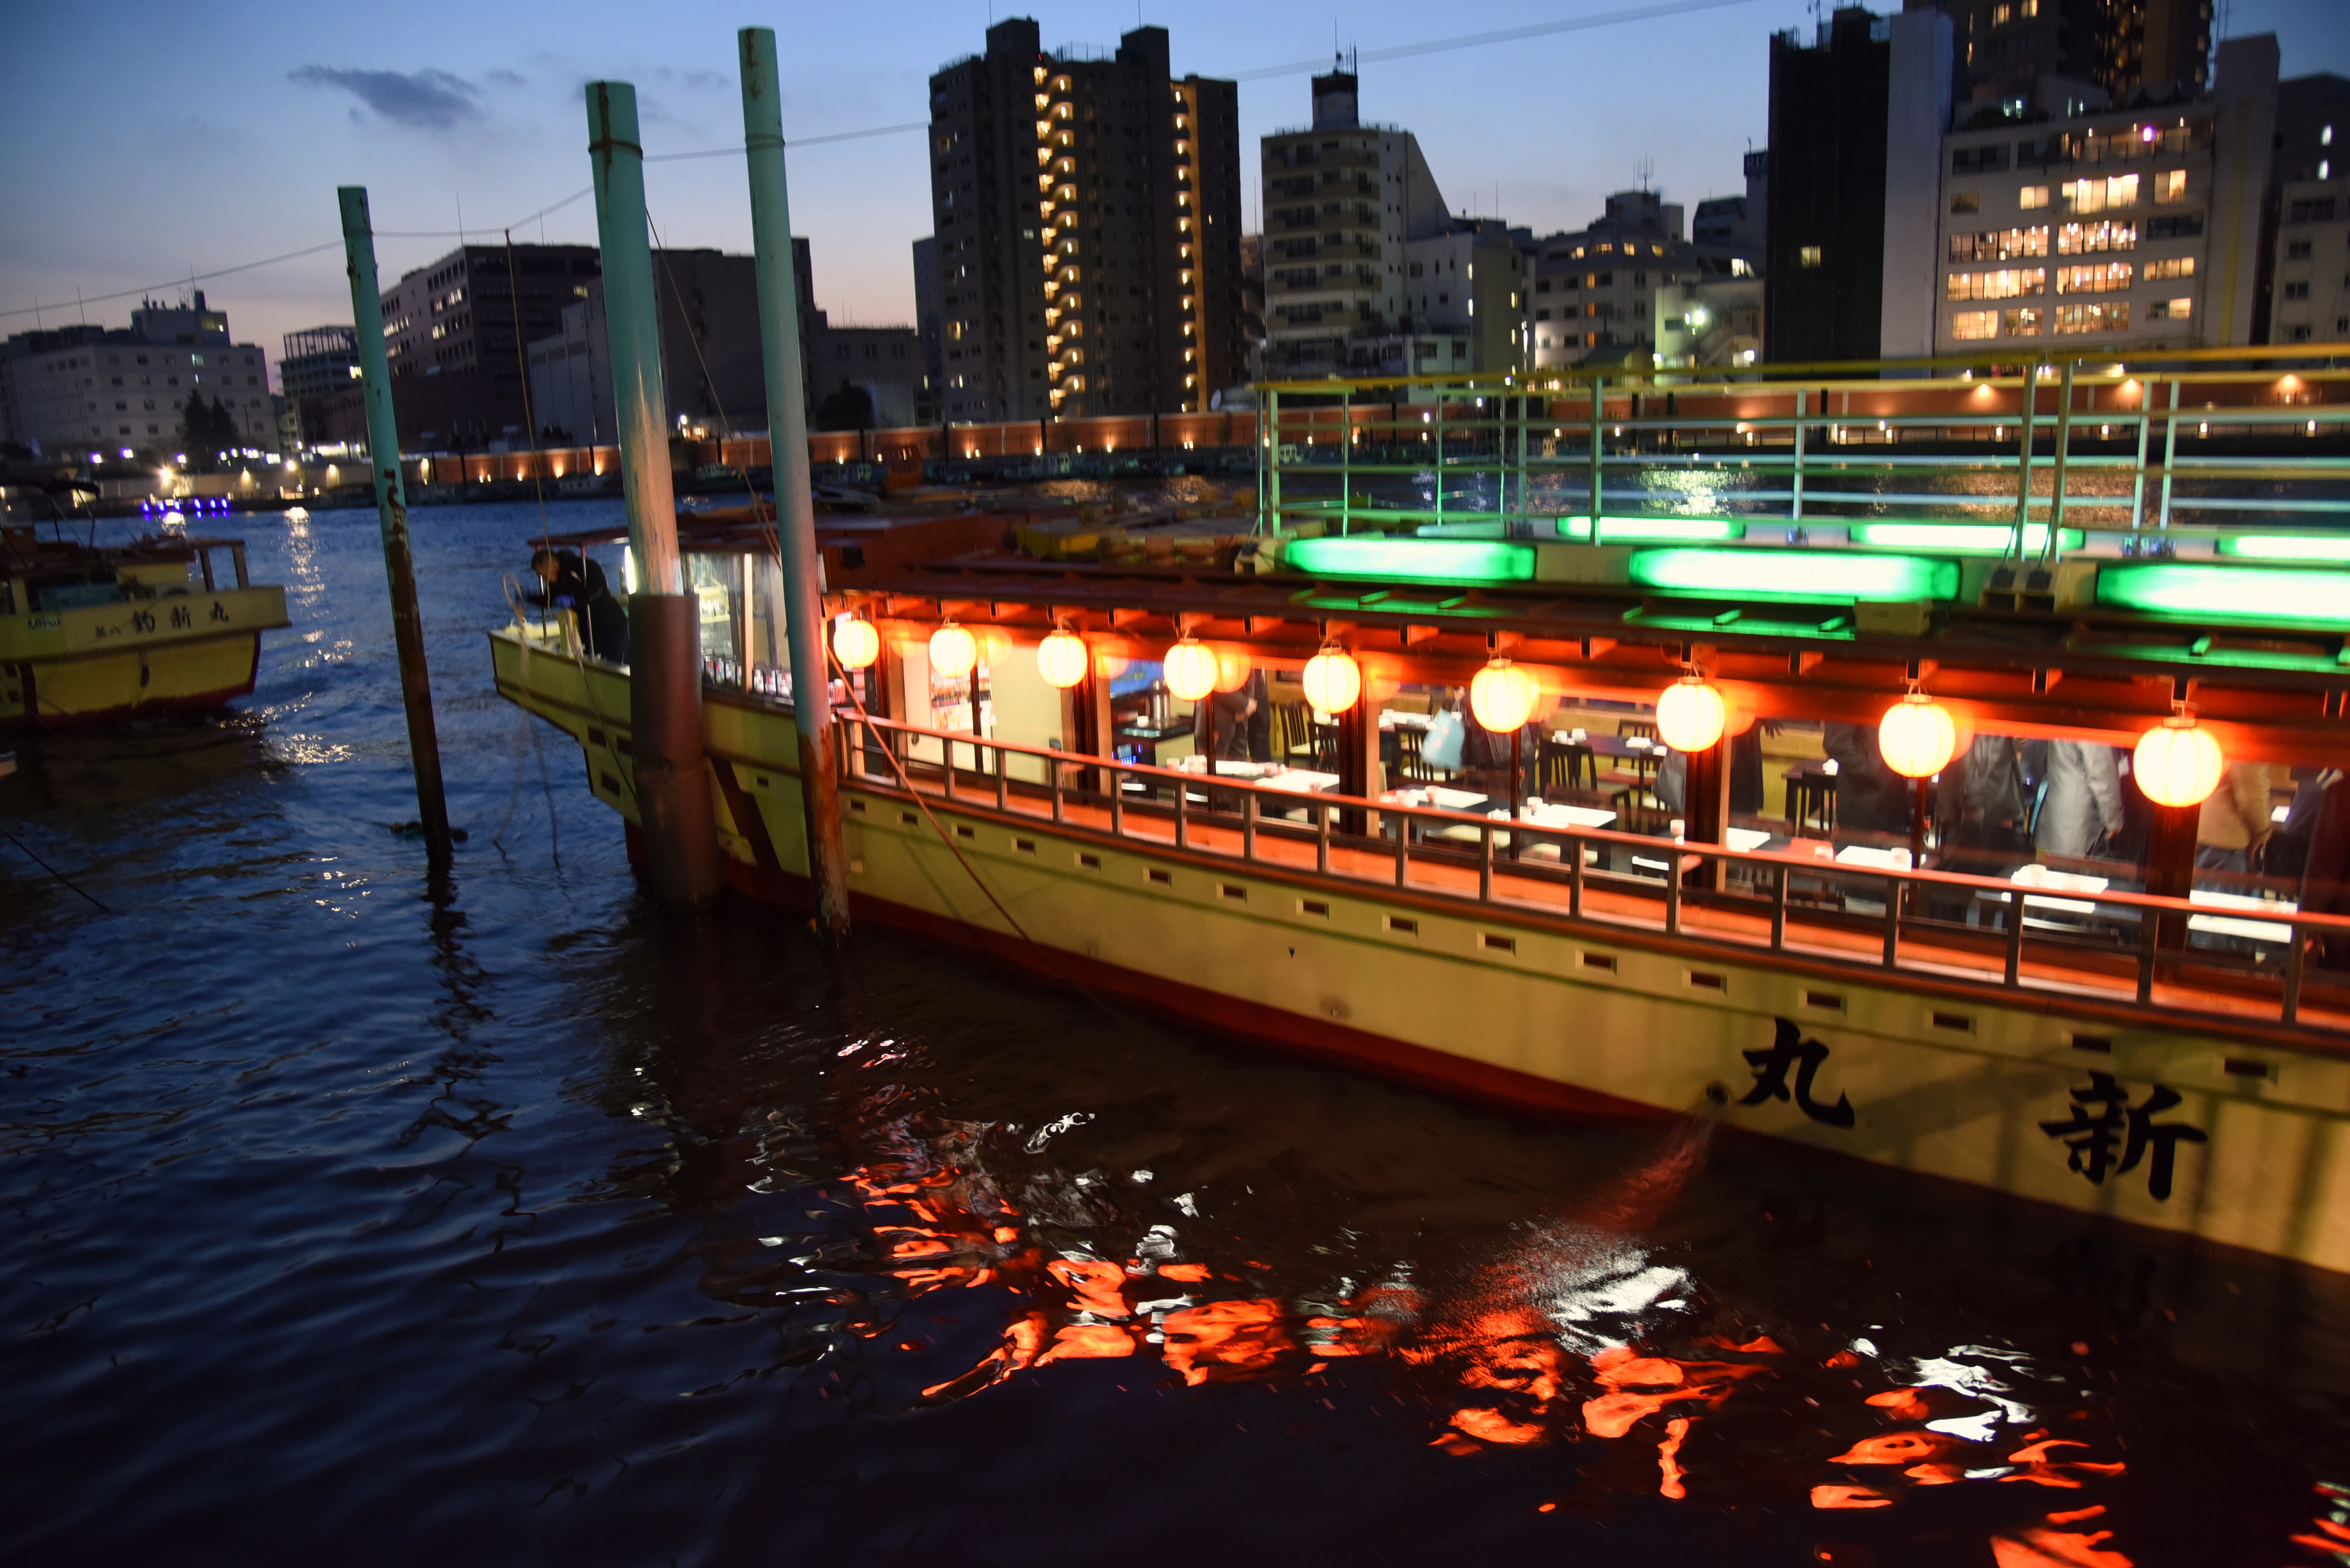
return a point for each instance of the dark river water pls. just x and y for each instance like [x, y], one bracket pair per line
[353, 1219]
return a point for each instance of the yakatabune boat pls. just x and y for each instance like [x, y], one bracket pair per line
[2023, 974]
[93, 635]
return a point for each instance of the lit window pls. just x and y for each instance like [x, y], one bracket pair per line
[1965, 201]
[2032, 196]
[2170, 187]
[1809, 256]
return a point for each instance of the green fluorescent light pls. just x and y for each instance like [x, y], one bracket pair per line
[2251, 593]
[1426, 560]
[1652, 530]
[1795, 575]
[1962, 538]
[2285, 547]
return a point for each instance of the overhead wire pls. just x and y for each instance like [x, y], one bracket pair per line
[1262, 73]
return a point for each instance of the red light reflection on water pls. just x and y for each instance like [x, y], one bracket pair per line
[1519, 1377]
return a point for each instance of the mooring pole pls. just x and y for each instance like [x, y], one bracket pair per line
[664, 621]
[391, 511]
[779, 339]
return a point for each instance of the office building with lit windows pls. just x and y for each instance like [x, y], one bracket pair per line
[1591, 294]
[1087, 218]
[2121, 228]
[453, 334]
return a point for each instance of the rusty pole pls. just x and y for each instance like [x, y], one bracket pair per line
[391, 511]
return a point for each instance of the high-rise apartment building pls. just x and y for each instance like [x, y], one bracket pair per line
[1342, 199]
[1857, 116]
[2121, 228]
[1086, 210]
[2131, 49]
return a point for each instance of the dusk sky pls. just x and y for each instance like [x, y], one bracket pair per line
[152, 142]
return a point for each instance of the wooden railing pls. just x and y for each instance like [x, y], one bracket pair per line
[1879, 921]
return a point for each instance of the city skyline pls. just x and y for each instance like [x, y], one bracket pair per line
[189, 180]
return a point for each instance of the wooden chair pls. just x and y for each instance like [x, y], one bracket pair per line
[1563, 766]
[1812, 795]
[1293, 734]
[1644, 728]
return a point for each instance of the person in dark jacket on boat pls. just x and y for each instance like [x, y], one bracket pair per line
[576, 584]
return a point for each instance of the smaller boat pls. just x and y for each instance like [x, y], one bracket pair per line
[96, 634]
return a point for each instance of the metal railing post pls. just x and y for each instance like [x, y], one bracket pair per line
[1574, 874]
[1795, 517]
[2150, 920]
[1116, 802]
[1059, 806]
[1674, 890]
[2289, 1010]
[1322, 839]
[1403, 847]
[2138, 485]
[1526, 508]
[1892, 922]
[2013, 975]
[1485, 864]
[2169, 455]
[2048, 550]
[1779, 909]
[1182, 814]
[1248, 825]
[1002, 785]
[1598, 415]
[1346, 464]
[1270, 499]
[2023, 459]
[1440, 457]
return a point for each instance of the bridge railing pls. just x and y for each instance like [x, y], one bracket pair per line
[2117, 444]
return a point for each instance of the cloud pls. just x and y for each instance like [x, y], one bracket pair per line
[422, 100]
[508, 79]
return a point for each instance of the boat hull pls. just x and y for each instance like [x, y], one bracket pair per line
[104, 664]
[2234, 1138]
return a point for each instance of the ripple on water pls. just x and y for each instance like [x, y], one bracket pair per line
[508, 1220]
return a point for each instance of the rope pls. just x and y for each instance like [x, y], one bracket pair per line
[52, 870]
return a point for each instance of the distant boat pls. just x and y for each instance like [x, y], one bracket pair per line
[96, 635]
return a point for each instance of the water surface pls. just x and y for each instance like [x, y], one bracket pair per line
[354, 1218]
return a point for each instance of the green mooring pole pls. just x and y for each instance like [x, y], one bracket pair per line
[673, 805]
[391, 511]
[779, 339]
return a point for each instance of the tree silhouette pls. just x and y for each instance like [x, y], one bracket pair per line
[207, 431]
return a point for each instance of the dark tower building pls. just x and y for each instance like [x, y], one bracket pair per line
[2124, 46]
[1856, 123]
[1087, 221]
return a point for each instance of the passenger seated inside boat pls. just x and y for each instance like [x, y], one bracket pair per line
[576, 584]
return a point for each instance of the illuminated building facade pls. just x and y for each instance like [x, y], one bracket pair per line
[1086, 211]
[1592, 293]
[2118, 227]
